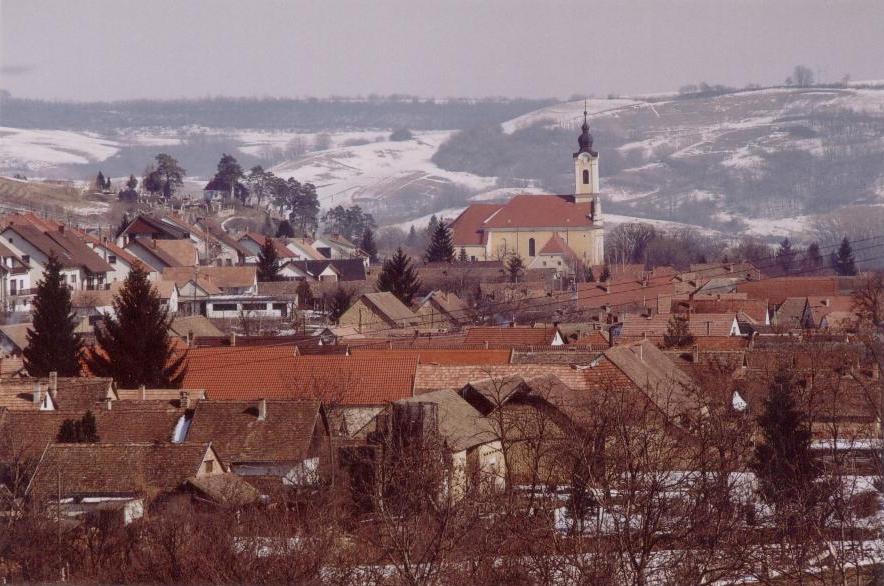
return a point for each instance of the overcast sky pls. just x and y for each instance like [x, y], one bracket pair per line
[120, 49]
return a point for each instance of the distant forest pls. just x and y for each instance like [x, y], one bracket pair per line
[309, 114]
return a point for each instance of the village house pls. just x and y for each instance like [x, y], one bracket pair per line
[514, 336]
[335, 246]
[324, 271]
[376, 312]
[284, 438]
[441, 310]
[161, 254]
[528, 224]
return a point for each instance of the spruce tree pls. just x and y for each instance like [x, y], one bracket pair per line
[441, 248]
[462, 256]
[399, 277]
[677, 332]
[813, 260]
[843, 261]
[783, 463]
[515, 266]
[52, 343]
[133, 346]
[411, 239]
[132, 183]
[368, 246]
[339, 302]
[99, 181]
[285, 230]
[785, 255]
[268, 262]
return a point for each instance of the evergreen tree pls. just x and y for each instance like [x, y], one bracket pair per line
[441, 248]
[285, 230]
[432, 225]
[606, 274]
[169, 174]
[843, 261]
[99, 182]
[783, 462]
[305, 295]
[124, 222]
[785, 255]
[134, 347]
[268, 262]
[411, 239]
[368, 246]
[515, 266]
[813, 260]
[462, 255]
[132, 183]
[79, 431]
[339, 302]
[399, 277]
[678, 332]
[52, 343]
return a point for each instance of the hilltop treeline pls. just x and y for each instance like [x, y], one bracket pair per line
[265, 113]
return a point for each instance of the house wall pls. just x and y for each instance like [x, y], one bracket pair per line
[431, 316]
[587, 243]
[211, 465]
[74, 277]
[221, 307]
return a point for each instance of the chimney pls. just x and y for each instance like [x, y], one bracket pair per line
[142, 393]
[233, 338]
[641, 352]
[262, 410]
[606, 286]
[189, 338]
[37, 395]
[708, 328]
[108, 403]
[184, 398]
[696, 356]
[827, 302]
[53, 384]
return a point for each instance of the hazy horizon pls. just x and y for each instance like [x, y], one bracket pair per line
[114, 50]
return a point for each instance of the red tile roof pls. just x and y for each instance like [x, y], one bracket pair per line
[439, 356]
[274, 372]
[237, 433]
[541, 211]
[557, 245]
[777, 289]
[511, 336]
[466, 229]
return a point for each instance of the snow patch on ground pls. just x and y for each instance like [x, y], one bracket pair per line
[570, 114]
[507, 193]
[422, 222]
[39, 149]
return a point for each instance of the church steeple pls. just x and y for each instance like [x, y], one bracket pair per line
[584, 141]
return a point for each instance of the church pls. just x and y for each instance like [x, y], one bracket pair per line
[547, 231]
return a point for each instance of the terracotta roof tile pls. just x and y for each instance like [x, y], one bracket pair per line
[222, 277]
[238, 434]
[511, 336]
[74, 394]
[108, 469]
[274, 372]
[777, 289]
[438, 356]
[466, 229]
[526, 211]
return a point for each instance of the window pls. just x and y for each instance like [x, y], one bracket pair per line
[111, 259]
[74, 279]
[531, 247]
[210, 466]
[224, 306]
[586, 176]
[279, 306]
[254, 306]
[25, 258]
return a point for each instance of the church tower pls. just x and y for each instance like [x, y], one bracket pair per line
[586, 172]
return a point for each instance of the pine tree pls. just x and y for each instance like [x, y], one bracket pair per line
[132, 183]
[99, 181]
[411, 239]
[368, 246]
[399, 277]
[783, 462]
[678, 332]
[843, 261]
[268, 262]
[285, 230]
[339, 302]
[134, 347]
[813, 260]
[441, 248]
[52, 343]
[462, 256]
[79, 431]
[107, 183]
[515, 266]
[785, 255]
[432, 225]
[606, 274]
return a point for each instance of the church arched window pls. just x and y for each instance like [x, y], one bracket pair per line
[586, 176]
[531, 247]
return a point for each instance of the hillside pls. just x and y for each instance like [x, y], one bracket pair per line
[768, 162]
